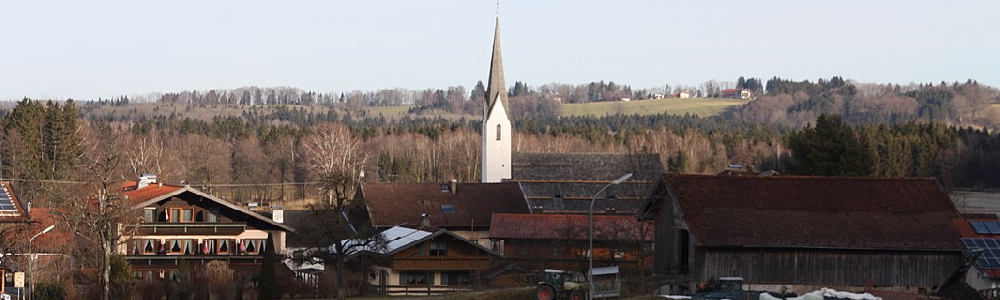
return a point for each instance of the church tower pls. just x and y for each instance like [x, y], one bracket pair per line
[496, 120]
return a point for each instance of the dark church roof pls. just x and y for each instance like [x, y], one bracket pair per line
[496, 89]
[567, 182]
[816, 212]
[586, 166]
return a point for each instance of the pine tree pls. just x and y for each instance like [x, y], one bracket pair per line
[267, 281]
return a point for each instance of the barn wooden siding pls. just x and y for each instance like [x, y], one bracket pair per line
[832, 267]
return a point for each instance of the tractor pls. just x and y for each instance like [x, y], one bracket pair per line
[561, 285]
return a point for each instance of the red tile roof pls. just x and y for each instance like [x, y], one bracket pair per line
[143, 196]
[19, 214]
[391, 204]
[834, 212]
[568, 227]
[136, 196]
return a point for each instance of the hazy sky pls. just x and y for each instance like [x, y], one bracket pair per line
[90, 49]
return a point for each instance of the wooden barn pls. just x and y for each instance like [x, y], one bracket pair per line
[805, 232]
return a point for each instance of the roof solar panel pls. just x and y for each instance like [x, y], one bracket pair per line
[5, 202]
[993, 227]
[979, 227]
[987, 251]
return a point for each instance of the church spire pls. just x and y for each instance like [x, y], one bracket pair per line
[496, 89]
[497, 128]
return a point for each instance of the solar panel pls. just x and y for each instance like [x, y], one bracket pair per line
[993, 227]
[979, 227]
[988, 251]
[5, 202]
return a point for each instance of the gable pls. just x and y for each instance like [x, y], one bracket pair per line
[190, 197]
[829, 212]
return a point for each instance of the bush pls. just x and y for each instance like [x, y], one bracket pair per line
[49, 290]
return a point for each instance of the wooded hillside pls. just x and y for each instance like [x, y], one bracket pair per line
[246, 143]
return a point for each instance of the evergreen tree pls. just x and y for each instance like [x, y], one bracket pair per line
[267, 281]
[831, 148]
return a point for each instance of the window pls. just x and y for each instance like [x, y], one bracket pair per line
[185, 215]
[415, 278]
[455, 278]
[149, 214]
[180, 247]
[208, 247]
[438, 249]
[213, 216]
[223, 247]
[149, 247]
[498, 132]
[251, 247]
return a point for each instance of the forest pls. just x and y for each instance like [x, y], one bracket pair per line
[247, 144]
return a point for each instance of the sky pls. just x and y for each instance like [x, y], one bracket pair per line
[62, 49]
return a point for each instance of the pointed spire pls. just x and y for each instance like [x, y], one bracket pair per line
[496, 89]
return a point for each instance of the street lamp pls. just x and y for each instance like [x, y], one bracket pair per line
[31, 260]
[590, 272]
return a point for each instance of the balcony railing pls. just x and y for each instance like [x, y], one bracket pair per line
[188, 228]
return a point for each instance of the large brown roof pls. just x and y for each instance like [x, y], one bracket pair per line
[568, 227]
[391, 204]
[566, 182]
[824, 212]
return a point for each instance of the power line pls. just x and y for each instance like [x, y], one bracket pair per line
[194, 184]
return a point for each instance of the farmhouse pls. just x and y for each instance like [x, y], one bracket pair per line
[182, 228]
[736, 93]
[805, 232]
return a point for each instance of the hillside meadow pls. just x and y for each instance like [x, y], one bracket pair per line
[702, 107]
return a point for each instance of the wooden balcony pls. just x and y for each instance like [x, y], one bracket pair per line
[440, 264]
[187, 228]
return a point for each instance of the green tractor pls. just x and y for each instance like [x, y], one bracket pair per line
[561, 285]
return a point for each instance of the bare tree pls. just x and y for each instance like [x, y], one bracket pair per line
[102, 208]
[332, 156]
[144, 154]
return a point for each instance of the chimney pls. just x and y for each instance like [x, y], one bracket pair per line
[425, 220]
[454, 186]
[278, 216]
[145, 180]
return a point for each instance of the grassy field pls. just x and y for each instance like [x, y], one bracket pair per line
[390, 112]
[702, 107]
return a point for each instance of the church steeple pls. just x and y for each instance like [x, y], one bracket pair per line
[496, 89]
[497, 129]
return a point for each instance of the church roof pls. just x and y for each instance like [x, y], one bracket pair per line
[567, 182]
[586, 166]
[496, 89]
